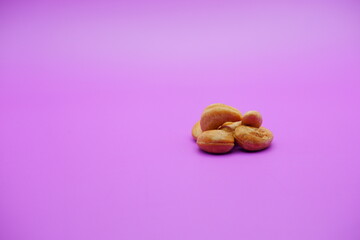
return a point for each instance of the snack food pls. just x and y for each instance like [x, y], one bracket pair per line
[222, 126]
[217, 114]
[230, 126]
[196, 130]
[252, 138]
[215, 141]
[252, 118]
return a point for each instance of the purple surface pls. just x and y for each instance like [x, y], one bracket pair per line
[97, 101]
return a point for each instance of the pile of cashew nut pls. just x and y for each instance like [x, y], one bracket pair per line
[222, 126]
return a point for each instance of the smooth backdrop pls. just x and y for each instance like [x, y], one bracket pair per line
[98, 98]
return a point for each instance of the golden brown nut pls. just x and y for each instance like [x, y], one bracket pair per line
[230, 126]
[196, 130]
[217, 114]
[252, 118]
[215, 141]
[253, 139]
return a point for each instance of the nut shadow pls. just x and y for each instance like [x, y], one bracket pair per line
[241, 150]
[236, 150]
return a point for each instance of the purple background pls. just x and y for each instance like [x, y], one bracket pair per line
[97, 101]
